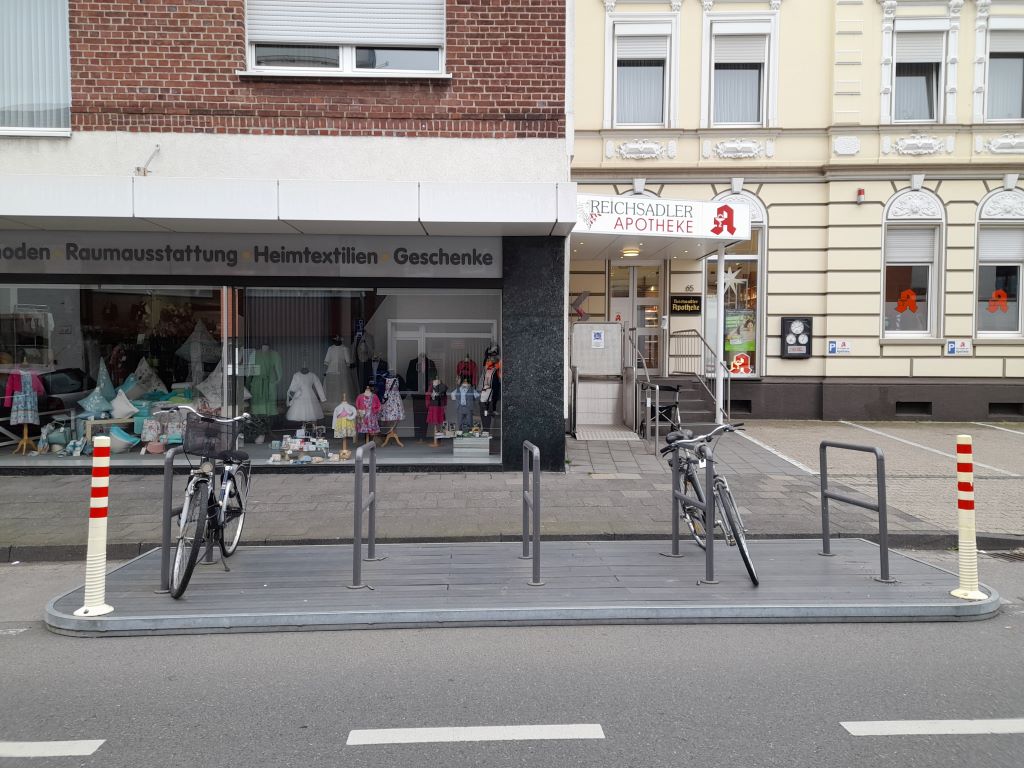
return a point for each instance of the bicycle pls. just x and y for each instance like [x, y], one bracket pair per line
[210, 514]
[693, 453]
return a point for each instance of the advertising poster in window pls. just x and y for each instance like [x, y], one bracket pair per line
[740, 340]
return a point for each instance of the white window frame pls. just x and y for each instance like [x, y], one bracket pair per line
[671, 98]
[765, 23]
[1015, 24]
[51, 132]
[944, 102]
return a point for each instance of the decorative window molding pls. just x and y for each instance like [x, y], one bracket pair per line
[642, 23]
[1007, 144]
[640, 149]
[981, 20]
[918, 205]
[1003, 204]
[912, 265]
[738, 149]
[846, 146]
[918, 144]
[758, 212]
[764, 23]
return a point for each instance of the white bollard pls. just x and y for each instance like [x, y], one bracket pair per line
[96, 549]
[967, 538]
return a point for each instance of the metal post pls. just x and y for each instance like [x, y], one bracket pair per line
[535, 503]
[883, 523]
[710, 502]
[165, 542]
[357, 523]
[657, 415]
[527, 500]
[371, 505]
[720, 340]
[826, 537]
[676, 474]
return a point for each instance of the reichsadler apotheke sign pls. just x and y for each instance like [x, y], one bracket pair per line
[222, 255]
[659, 217]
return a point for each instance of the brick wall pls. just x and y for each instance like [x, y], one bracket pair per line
[147, 65]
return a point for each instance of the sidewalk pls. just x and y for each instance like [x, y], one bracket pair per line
[613, 490]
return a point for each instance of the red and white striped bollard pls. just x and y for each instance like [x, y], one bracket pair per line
[967, 532]
[96, 549]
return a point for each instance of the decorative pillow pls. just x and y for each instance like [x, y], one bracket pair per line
[95, 402]
[103, 383]
[130, 387]
[151, 430]
[122, 407]
[146, 378]
[213, 387]
[121, 441]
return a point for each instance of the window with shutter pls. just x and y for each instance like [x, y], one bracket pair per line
[1000, 259]
[641, 73]
[918, 75]
[910, 255]
[739, 83]
[35, 89]
[1006, 75]
[346, 36]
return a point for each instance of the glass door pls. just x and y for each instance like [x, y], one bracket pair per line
[635, 297]
[741, 311]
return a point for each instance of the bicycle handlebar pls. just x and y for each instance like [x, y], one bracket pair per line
[204, 417]
[723, 428]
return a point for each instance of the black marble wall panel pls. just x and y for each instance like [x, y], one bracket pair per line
[533, 359]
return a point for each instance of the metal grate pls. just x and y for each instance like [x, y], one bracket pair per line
[1013, 557]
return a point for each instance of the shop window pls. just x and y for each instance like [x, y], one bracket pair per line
[917, 78]
[641, 83]
[35, 90]
[910, 256]
[1000, 259]
[355, 38]
[740, 306]
[1006, 75]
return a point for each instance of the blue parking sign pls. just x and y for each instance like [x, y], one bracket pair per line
[831, 346]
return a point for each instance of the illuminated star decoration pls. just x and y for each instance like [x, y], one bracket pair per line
[732, 280]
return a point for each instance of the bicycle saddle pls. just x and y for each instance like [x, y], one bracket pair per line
[683, 434]
[233, 457]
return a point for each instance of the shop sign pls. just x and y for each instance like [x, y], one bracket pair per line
[839, 347]
[687, 304]
[659, 217]
[237, 255]
[959, 348]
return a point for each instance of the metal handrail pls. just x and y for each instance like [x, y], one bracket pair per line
[531, 503]
[574, 389]
[359, 506]
[703, 374]
[165, 525]
[878, 506]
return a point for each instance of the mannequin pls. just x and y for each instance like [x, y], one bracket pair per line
[436, 399]
[392, 411]
[419, 375]
[21, 395]
[305, 395]
[345, 425]
[367, 408]
[337, 370]
[263, 386]
[378, 375]
[362, 354]
[464, 397]
[490, 386]
[466, 369]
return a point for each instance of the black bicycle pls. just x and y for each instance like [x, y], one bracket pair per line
[693, 454]
[214, 507]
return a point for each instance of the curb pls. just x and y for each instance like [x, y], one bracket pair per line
[128, 551]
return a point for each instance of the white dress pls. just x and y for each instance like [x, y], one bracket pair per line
[305, 393]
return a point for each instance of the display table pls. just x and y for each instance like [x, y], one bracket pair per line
[90, 423]
[471, 447]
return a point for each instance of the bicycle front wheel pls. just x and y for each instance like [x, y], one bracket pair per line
[234, 512]
[732, 519]
[693, 516]
[191, 534]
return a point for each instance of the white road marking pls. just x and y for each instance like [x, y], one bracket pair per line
[16, 631]
[933, 727]
[925, 447]
[479, 733]
[1001, 429]
[49, 748]
[781, 455]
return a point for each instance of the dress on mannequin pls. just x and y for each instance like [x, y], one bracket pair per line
[338, 371]
[305, 394]
[344, 420]
[368, 406]
[263, 385]
[22, 397]
[490, 390]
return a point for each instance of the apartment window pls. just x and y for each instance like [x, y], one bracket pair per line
[1000, 258]
[1006, 75]
[641, 73]
[35, 90]
[738, 79]
[918, 75]
[910, 257]
[356, 37]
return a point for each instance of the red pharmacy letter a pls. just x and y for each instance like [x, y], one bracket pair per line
[724, 220]
[998, 301]
[908, 300]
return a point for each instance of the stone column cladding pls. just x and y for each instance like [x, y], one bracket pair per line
[533, 357]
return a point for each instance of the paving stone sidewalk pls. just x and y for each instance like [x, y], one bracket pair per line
[609, 490]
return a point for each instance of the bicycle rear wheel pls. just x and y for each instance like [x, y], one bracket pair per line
[190, 539]
[234, 513]
[733, 520]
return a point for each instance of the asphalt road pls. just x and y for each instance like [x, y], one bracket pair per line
[736, 696]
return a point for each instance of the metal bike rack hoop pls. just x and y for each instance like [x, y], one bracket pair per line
[531, 503]
[369, 505]
[165, 523]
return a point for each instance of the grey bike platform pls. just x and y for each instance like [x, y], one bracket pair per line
[485, 584]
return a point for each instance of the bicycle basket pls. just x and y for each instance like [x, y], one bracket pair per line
[208, 438]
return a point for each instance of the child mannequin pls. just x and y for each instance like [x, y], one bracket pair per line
[344, 420]
[367, 407]
[436, 398]
[464, 398]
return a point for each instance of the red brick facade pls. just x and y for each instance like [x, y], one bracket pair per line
[149, 65]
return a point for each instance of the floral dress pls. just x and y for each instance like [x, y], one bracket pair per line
[368, 406]
[345, 420]
[22, 396]
[392, 410]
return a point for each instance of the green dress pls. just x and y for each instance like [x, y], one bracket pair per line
[263, 386]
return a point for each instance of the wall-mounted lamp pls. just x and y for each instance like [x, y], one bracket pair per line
[630, 252]
[860, 195]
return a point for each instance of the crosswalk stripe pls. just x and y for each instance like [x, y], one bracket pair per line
[476, 733]
[49, 748]
[933, 727]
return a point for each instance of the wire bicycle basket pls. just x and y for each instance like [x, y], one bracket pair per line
[209, 438]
